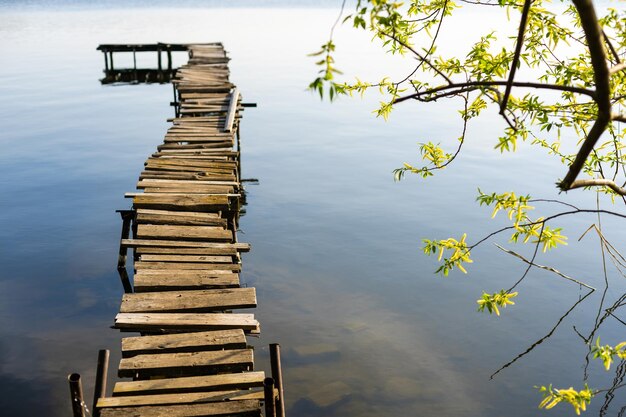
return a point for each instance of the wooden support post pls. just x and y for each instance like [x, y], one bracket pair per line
[270, 405]
[106, 62]
[176, 101]
[100, 387]
[160, 65]
[135, 65]
[127, 217]
[76, 393]
[169, 59]
[111, 59]
[277, 375]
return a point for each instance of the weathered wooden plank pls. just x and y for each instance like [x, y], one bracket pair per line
[184, 342]
[173, 194]
[186, 258]
[188, 202]
[179, 137]
[158, 231]
[186, 189]
[169, 266]
[244, 380]
[188, 398]
[185, 321]
[215, 136]
[191, 154]
[223, 408]
[151, 231]
[207, 172]
[186, 251]
[186, 363]
[164, 183]
[164, 165]
[194, 162]
[179, 175]
[136, 243]
[192, 214]
[150, 218]
[177, 146]
[186, 301]
[159, 282]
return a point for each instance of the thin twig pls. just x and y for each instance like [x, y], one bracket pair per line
[547, 268]
[531, 262]
[432, 44]
[419, 56]
[545, 200]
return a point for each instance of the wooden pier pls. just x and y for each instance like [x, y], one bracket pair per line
[192, 357]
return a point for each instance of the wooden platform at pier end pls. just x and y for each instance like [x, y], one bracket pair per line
[191, 357]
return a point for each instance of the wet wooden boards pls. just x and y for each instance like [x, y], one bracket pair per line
[192, 358]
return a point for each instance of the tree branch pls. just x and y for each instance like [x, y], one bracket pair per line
[611, 47]
[598, 183]
[545, 220]
[618, 117]
[516, 56]
[478, 84]
[594, 37]
[617, 68]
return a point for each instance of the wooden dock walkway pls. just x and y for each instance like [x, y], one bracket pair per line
[192, 356]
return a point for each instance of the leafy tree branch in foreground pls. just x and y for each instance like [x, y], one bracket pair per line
[560, 84]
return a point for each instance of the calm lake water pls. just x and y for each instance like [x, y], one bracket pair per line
[366, 328]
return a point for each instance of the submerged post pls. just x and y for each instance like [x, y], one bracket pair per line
[277, 375]
[76, 392]
[270, 405]
[100, 387]
[127, 217]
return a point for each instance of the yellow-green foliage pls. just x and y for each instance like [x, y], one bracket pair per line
[578, 399]
[607, 353]
[491, 302]
[459, 253]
